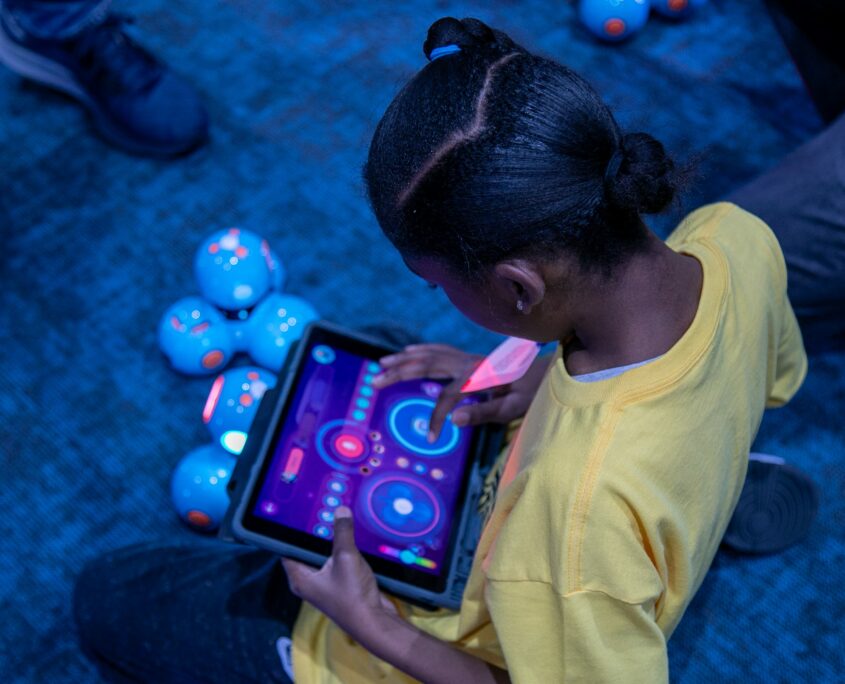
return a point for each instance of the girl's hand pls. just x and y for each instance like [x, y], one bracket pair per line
[345, 587]
[442, 362]
[345, 590]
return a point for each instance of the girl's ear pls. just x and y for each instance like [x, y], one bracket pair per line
[521, 283]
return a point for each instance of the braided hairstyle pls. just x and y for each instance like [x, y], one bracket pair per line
[492, 152]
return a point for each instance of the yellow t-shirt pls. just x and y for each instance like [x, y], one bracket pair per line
[615, 494]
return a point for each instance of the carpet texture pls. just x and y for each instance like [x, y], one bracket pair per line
[96, 244]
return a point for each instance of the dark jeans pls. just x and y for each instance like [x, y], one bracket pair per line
[202, 611]
[55, 19]
[803, 200]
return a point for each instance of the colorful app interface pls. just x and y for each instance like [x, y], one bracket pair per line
[344, 442]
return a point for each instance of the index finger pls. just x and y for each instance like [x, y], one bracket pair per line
[449, 397]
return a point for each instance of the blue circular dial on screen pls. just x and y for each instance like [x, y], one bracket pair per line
[408, 423]
[401, 506]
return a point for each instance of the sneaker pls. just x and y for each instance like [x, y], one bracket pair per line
[137, 103]
[775, 510]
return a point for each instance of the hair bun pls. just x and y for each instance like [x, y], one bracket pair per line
[646, 181]
[464, 33]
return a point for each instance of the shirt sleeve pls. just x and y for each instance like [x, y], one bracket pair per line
[584, 636]
[790, 361]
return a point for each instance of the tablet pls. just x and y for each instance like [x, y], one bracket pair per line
[334, 439]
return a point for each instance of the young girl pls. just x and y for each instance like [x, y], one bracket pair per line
[501, 177]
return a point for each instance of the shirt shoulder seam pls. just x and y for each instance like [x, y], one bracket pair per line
[566, 594]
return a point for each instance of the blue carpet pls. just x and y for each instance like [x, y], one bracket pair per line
[97, 244]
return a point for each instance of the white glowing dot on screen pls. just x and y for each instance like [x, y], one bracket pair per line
[403, 506]
[233, 260]
[213, 480]
[242, 292]
[221, 472]
[245, 386]
[291, 321]
[284, 327]
[229, 242]
[282, 313]
[259, 387]
[195, 314]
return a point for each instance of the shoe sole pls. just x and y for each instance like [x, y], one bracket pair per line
[775, 509]
[37, 68]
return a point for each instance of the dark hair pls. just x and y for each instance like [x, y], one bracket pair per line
[493, 152]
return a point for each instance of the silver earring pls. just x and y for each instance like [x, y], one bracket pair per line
[520, 306]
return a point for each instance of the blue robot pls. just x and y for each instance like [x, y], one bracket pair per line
[198, 487]
[614, 20]
[241, 308]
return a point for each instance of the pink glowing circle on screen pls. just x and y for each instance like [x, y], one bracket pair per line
[348, 446]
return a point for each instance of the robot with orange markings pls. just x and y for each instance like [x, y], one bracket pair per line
[617, 20]
[241, 309]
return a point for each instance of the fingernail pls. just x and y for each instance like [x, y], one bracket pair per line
[432, 438]
[342, 512]
[460, 418]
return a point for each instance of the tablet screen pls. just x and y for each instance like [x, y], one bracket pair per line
[341, 441]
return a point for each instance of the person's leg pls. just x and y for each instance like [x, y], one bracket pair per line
[85, 51]
[811, 30]
[803, 200]
[203, 611]
[55, 19]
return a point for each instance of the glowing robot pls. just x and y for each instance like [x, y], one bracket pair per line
[241, 308]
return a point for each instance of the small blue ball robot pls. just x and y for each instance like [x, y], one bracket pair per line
[235, 268]
[614, 20]
[198, 486]
[232, 404]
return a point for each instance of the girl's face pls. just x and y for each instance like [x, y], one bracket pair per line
[491, 302]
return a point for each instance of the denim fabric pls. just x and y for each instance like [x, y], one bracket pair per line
[200, 611]
[55, 19]
[803, 200]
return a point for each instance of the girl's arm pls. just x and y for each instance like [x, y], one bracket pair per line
[421, 655]
[345, 590]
